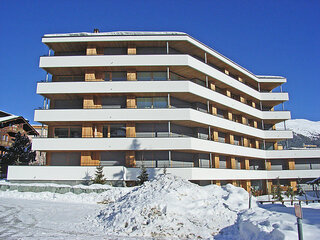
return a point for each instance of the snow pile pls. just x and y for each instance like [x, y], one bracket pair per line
[302, 126]
[109, 195]
[171, 207]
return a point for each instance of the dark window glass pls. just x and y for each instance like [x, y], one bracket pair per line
[117, 130]
[119, 76]
[159, 76]
[144, 102]
[144, 76]
[160, 102]
[75, 132]
[115, 51]
[61, 132]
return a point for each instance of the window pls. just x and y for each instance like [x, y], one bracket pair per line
[144, 102]
[68, 132]
[160, 102]
[61, 132]
[155, 102]
[159, 76]
[175, 76]
[113, 102]
[151, 76]
[115, 76]
[144, 76]
[115, 51]
[117, 130]
[75, 132]
[151, 50]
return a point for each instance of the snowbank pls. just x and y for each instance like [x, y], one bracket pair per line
[171, 207]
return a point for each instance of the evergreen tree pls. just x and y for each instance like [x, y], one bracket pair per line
[300, 191]
[273, 192]
[19, 153]
[290, 193]
[144, 176]
[99, 176]
[278, 191]
[165, 170]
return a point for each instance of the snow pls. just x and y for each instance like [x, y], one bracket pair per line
[302, 126]
[166, 208]
[116, 33]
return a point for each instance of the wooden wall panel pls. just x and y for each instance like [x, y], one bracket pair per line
[245, 142]
[268, 164]
[215, 161]
[87, 130]
[132, 50]
[91, 50]
[131, 102]
[245, 164]
[130, 159]
[99, 132]
[90, 75]
[90, 158]
[48, 158]
[131, 76]
[214, 110]
[215, 135]
[291, 164]
[246, 184]
[231, 163]
[213, 86]
[130, 130]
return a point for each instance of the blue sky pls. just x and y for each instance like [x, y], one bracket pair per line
[266, 37]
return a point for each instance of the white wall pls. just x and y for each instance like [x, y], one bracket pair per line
[180, 143]
[48, 173]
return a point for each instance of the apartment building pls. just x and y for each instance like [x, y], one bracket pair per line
[163, 99]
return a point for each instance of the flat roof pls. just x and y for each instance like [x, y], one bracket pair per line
[116, 33]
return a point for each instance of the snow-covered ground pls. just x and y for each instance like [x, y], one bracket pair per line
[166, 208]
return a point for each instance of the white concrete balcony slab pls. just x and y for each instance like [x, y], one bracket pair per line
[183, 37]
[48, 88]
[80, 173]
[171, 114]
[158, 144]
[145, 60]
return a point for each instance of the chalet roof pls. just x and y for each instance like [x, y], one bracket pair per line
[13, 119]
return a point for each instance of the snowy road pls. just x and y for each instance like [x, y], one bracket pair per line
[33, 219]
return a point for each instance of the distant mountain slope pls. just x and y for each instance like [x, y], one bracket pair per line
[305, 132]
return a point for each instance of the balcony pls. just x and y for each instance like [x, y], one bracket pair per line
[177, 87]
[153, 115]
[57, 62]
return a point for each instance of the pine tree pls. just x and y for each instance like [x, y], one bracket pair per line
[99, 176]
[290, 193]
[300, 191]
[19, 153]
[144, 176]
[165, 170]
[279, 191]
[273, 192]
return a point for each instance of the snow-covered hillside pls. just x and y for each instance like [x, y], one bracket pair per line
[305, 132]
[302, 126]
